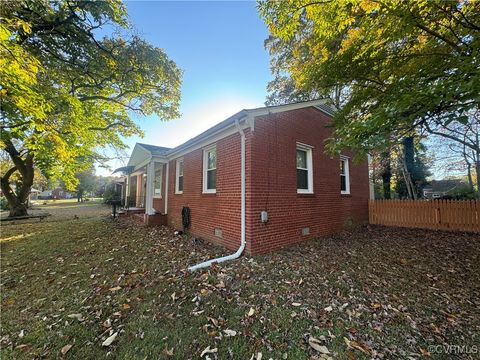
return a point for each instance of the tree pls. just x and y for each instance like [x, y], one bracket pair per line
[412, 168]
[454, 155]
[66, 92]
[87, 182]
[404, 65]
[282, 89]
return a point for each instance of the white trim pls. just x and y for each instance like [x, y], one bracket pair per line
[308, 151]
[136, 152]
[177, 175]
[248, 121]
[166, 188]
[346, 159]
[205, 169]
[204, 142]
[243, 239]
[288, 107]
[150, 174]
[161, 179]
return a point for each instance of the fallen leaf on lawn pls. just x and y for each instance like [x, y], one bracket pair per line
[328, 308]
[352, 330]
[107, 323]
[356, 345]
[207, 350]
[23, 346]
[212, 333]
[258, 357]
[204, 292]
[251, 312]
[214, 321]
[317, 345]
[9, 302]
[116, 288]
[229, 332]
[425, 353]
[108, 341]
[376, 305]
[451, 317]
[65, 349]
[79, 317]
[126, 306]
[168, 352]
[296, 304]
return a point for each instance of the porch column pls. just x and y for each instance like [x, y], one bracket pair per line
[149, 210]
[139, 194]
[127, 190]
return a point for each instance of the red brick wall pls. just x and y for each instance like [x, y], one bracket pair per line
[271, 186]
[274, 183]
[210, 211]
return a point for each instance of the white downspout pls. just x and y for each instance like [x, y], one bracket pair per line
[166, 188]
[242, 212]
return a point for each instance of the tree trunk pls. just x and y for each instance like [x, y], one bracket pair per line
[409, 166]
[386, 174]
[17, 200]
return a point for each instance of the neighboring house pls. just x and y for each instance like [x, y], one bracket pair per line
[57, 193]
[439, 188]
[292, 190]
[45, 195]
[34, 194]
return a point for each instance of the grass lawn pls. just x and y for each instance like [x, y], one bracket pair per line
[74, 280]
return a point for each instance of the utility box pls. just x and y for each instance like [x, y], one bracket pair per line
[263, 216]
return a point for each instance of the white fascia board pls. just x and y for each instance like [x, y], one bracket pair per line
[159, 159]
[247, 121]
[288, 107]
[142, 164]
[138, 155]
[208, 140]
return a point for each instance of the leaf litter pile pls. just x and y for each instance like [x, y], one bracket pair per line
[91, 287]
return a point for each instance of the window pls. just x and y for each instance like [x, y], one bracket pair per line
[304, 169]
[210, 170]
[157, 181]
[179, 177]
[344, 176]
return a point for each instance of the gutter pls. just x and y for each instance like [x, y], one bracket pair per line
[243, 241]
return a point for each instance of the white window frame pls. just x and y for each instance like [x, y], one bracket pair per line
[177, 176]
[308, 149]
[161, 180]
[205, 164]
[346, 160]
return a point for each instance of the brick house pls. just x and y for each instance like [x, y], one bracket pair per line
[292, 191]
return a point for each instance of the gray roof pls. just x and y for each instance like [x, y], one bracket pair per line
[158, 150]
[155, 150]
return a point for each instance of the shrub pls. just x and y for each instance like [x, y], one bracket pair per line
[110, 193]
[3, 203]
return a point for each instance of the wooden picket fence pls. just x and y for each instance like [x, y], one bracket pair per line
[455, 215]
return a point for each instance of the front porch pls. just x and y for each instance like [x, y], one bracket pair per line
[146, 183]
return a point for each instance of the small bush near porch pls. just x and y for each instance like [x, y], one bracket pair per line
[87, 287]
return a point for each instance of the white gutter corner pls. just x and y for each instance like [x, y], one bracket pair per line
[242, 214]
